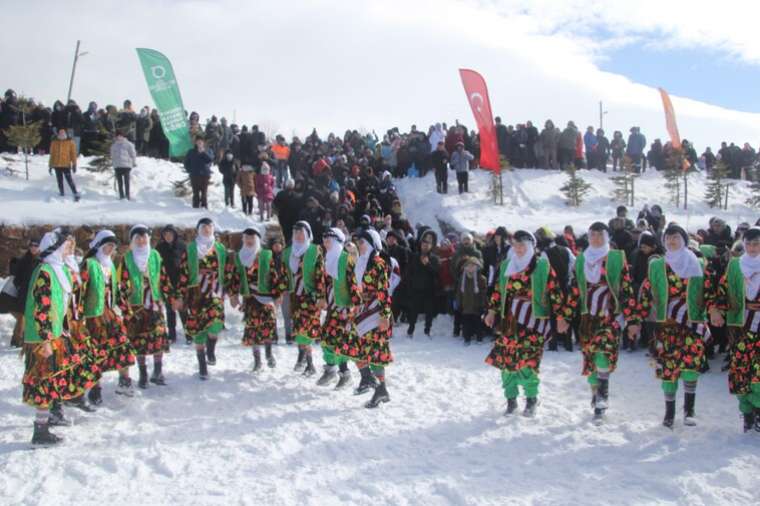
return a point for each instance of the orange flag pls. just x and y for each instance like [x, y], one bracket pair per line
[670, 119]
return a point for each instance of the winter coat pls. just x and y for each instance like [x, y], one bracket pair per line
[636, 144]
[123, 154]
[550, 139]
[171, 253]
[469, 302]
[63, 154]
[127, 123]
[229, 170]
[246, 180]
[463, 252]
[198, 163]
[265, 187]
[460, 162]
[567, 138]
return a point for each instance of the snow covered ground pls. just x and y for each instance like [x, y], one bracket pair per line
[279, 439]
[153, 201]
[532, 199]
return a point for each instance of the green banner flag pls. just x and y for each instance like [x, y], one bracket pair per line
[163, 87]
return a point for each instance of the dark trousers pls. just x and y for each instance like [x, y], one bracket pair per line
[200, 190]
[442, 180]
[247, 204]
[122, 180]
[470, 326]
[412, 317]
[462, 181]
[229, 194]
[65, 172]
[171, 321]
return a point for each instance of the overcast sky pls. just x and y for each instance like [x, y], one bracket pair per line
[292, 65]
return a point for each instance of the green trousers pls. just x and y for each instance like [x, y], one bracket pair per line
[751, 401]
[331, 358]
[213, 330]
[601, 362]
[671, 387]
[525, 377]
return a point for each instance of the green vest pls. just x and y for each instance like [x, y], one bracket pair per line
[263, 285]
[538, 280]
[192, 262]
[708, 250]
[613, 277]
[695, 289]
[95, 299]
[736, 294]
[136, 277]
[309, 266]
[340, 285]
[57, 311]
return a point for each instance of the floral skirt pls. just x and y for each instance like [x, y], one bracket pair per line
[516, 347]
[205, 315]
[147, 331]
[260, 322]
[307, 326]
[109, 336]
[677, 349]
[338, 330]
[599, 335]
[744, 361]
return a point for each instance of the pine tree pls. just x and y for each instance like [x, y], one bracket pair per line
[624, 183]
[715, 191]
[26, 137]
[102, 151]
[754, 176]
[575, 188]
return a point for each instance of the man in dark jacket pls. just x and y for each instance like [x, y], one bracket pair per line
[171, 248]
[502, 137]
[198, 166]
[440, 162]
[421, 275]
[494, 253]
[397, 249]
[287, 206]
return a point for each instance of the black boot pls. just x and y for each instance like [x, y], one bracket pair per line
[157, 377]
[553, 344]
[211, 351]
[56, 418]
[367, 383]
[300, 362]
[757, 419]
[749, 421]
[95, 396]
[202, 369]
[344, 378]
[309, 370]
[511, 407]
[328, 376]
[598, 416]
[530, 407]
[602, 394]
[271, 362]
[42, 435]
[125, 387]
[688, 409]
[380, 396]
[80, 403]
[142, 381]
[670, 414]
[256, 360]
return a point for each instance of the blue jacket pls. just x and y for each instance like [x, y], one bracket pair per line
[636, 144]
[199, 163]
[589, 139]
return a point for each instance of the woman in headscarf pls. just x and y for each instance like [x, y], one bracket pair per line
[202, 285]
[677, 288]
[144, 285]
[107, 331]
[602, 295]
[305, 266]
[259, 280]
[370, 347]
[343, 298]
[738, 305]
[526, 296]
[53, 370]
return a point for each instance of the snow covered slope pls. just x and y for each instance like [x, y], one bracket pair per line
[532, 199]
[153, 201]
[277, 439]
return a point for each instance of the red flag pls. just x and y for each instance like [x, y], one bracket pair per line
[477, 96]
[670, 119]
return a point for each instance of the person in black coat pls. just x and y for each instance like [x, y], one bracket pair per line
[562, 262]
[21, 269]
[494, 253]
[648, 247]
[287, 206]
[198, 165]
[171, 248]
[229, 167]
[440, 163]
[421, 276]
[397, 248]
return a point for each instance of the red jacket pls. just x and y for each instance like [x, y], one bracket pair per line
[265, 187]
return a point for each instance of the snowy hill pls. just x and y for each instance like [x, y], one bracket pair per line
[532, 199]
[153, 201]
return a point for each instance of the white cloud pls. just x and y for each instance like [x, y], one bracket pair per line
[294, 65]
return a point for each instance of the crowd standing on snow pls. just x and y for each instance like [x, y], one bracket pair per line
[348, 267]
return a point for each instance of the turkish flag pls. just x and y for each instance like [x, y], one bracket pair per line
[477, 95]
[670, 119]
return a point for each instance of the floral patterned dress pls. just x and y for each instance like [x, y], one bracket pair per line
[679, 343]
[304, 311]
[372, 345]
[205, 301]
[108, 331]
[146, 326]
[520, 336]
[339, 328]
[258, 309]
[600, 328]
[66, 374]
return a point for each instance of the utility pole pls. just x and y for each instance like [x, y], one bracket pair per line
[77, 54]
[602, 112]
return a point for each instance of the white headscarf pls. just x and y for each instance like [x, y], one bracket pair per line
[751, 270]
[204, 243]
[332, 256]
[683, 261]
[140, 254]
[593, 258]
[105, 260]
[247, 254]
[56, 259]
[361, 262]
[517, 264]
[298, 249]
